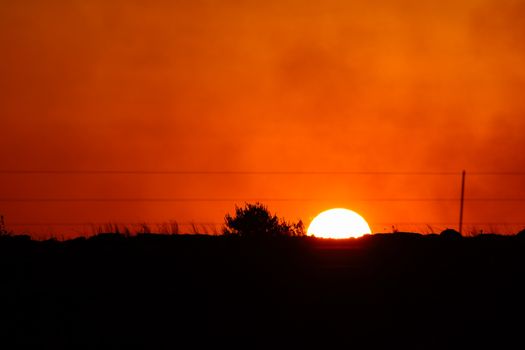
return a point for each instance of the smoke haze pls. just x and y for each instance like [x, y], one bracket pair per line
[262, 85]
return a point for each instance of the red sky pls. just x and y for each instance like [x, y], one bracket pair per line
[288, 85]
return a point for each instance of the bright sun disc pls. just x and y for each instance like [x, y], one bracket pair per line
[338, 223]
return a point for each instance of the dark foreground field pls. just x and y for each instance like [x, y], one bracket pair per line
[164, 291]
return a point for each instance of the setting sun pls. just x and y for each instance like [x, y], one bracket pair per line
[338, 223]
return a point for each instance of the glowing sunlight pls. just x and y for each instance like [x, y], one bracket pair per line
[338, 223]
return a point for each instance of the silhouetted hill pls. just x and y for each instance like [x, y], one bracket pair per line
[155, 290]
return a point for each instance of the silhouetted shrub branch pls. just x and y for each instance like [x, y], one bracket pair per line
[3, 229]
[255, 220]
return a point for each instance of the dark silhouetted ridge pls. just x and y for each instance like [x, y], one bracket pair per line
[158, 291]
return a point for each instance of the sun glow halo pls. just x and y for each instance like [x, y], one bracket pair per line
[338, 223]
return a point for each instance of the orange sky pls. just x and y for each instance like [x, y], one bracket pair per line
[331, 85]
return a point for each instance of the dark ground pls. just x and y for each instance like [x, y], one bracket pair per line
[162, 291]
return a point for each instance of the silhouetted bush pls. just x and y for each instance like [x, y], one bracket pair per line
[255, 220]
[450, 233]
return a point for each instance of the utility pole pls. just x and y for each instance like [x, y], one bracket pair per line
[462, 202]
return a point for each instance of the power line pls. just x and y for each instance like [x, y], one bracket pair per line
[175, 199]
[213, 172]
[501, 173]
[97, 224]
[255, 199]
[251, 172]
[222, 223]
[494, 199]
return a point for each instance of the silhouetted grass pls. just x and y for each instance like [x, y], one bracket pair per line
[167, 228]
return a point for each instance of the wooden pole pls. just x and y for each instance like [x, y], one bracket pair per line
[462, 202]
